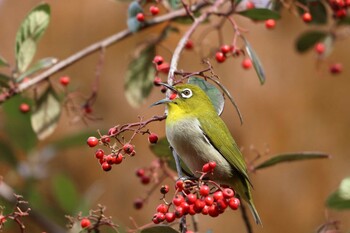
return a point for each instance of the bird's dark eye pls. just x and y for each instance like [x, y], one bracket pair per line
[186, 93]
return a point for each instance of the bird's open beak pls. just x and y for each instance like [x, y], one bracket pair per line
[166, 100]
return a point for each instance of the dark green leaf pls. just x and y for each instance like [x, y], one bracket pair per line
[256, 61]
[41, 64]
[7, 154]
[213, 93]
[139, 77]
[290, 158]
[46, 114]
[344, 21]
[175, 4]
[260, 14]
[4, 80]
[72, 140]
[65, 193]
[340, 199]
[3, 62]
[308, 39]
[162, 150]
[17, 124]
[317, 9]
[30, 31]
[159, 229]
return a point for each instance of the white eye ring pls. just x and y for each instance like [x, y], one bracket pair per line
[186, 93]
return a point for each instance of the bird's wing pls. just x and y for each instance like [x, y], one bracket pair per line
[223, 142]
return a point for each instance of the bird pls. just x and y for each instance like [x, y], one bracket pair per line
[198, 135]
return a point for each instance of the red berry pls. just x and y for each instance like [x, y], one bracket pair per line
[191, 198]
[155, 219]
[270, 23]
[118, 159]
[157, 80]
[234, 203]
[307, 17]
[158, 60]
[225, 49]
[340, 13]
[220, 57]
[221, 204]
[154, 10]
[228, 193]
[179, 212]
[85, 222]
[128, 148]
[138, 203]
[112, 131]
[218, 195]
[179, 185]
[336, 68]
[204, 190]
[64, 80]
[199, 205]
[106, 166]
[153, 138]
[145, 179]
[320, 48]
[170, 217]
[209, 200]
[105, 139]
[163, 89]
[191, 210]
[213, 211]
[247, 63]
[110, 158]
[189, 44]
[212, 165]
[206, 168]
[99, 154]
[250, 5]
[24, 108]
[87, 109]
[92, 141]
[164, 67]
[140, 172]
[205, 210]
[162, 208]
[164, 189]
[178, 199]
[140, 17]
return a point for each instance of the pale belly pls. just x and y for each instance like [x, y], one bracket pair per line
[188, 140]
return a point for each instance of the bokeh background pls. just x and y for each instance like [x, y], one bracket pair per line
[302, 107]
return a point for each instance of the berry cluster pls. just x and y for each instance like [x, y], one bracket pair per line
[196, 197]
[339, 8]
[163, 67]
[153, 10]
[227, 50]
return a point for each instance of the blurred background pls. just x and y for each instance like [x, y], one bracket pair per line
[301, 107]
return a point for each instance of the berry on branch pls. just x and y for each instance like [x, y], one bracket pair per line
[92, 141]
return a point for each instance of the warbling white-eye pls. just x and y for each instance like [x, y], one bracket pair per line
[198, 135]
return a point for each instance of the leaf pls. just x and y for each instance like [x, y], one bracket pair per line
[139, 77]
[133, 24]
[3, 62]
[256, 61]
[340, 199]
[159, 229]
[162, 150]
[215, 96]
[17, 125]
[65, 193]
[41, 64]
[7, 154]
[260, 14]
[308, 39]
[344, 21]
[72, 140]
[30, 31]
[46, 114]
[4, 80]
[290, 157]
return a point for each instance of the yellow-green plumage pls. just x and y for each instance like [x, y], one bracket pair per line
[199, 135]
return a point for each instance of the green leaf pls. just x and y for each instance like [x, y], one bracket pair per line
[30, 31]
[159, 229]
[7, 153]
[139, 77]
[344, 21]
[291, 158]
[260, 14]
[3, 62]
[256, 61]
[308, 39]
[65, 193]
[72, 140]
[133, 24]
[41, 64]
[17, 124]
[216, 97]
[4, 80]
[340, 199]
[46, 114]
[162, 150]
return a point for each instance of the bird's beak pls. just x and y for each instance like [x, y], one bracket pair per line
[166, 100]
